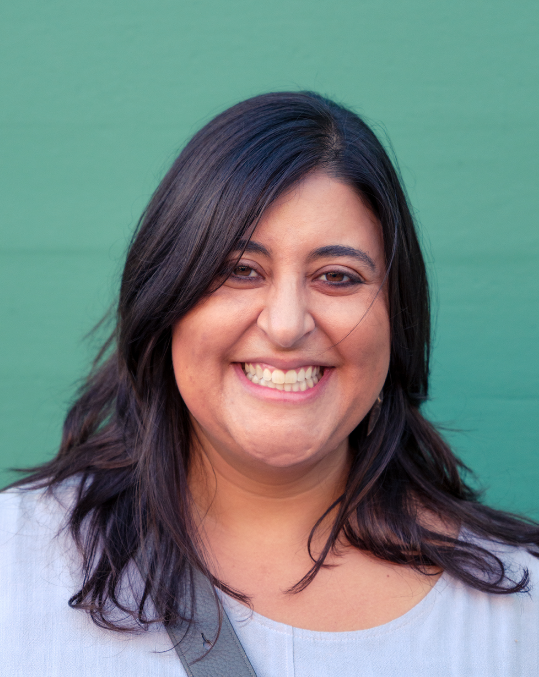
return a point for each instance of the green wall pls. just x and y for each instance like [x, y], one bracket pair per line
[98, 97]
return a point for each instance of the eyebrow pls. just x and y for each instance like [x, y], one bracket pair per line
[330, 251]
[339, 250]
[253, 247]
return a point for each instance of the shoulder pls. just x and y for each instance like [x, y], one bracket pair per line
[517, 563]
[497, 615]
[40, 569]
[37, 553]
[31, 517]
[521, 563]
[28, 501]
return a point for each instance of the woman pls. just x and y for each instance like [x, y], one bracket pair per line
[254, 423]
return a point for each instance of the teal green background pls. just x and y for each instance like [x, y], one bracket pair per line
[98, 97]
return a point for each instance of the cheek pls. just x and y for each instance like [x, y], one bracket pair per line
[191, 347]
[202, 343]
[367, 350]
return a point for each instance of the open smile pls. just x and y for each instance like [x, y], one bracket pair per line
[293, 380]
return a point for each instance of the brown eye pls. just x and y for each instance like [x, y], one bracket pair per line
[335, 277]
[339, 279]
[244, 271]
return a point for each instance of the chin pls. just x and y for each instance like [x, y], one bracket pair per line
[282, 453]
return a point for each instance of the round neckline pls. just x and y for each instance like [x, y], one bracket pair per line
[242, 615]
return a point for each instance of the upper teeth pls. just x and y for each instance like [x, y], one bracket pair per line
[293, 380]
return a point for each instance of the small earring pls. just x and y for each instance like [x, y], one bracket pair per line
[375, 414]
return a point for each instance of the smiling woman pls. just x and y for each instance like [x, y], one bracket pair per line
[247, 467]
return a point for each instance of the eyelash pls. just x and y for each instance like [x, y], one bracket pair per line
[352, 279]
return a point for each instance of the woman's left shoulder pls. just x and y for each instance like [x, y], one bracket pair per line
[517, 561]
[522, 562]
[517, 568]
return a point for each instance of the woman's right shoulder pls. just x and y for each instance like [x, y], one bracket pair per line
[30, 511]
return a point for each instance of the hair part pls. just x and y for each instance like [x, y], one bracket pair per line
[127, 437]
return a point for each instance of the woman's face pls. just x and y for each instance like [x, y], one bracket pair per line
[282, 362]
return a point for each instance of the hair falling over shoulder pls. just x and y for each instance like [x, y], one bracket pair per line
[127, 437]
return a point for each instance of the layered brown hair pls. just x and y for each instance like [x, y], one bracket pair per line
[127, 438]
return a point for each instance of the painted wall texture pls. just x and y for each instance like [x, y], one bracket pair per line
[98, 97]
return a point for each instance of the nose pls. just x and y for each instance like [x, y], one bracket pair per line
[285, 318]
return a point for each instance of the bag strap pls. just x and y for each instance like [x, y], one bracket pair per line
[203, 649]
[221, 651]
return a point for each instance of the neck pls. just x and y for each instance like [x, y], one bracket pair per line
[240, 499]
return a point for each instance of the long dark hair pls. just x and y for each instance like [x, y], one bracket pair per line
[126, 439]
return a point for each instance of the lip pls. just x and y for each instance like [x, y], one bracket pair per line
[284, 365]
[274, 395]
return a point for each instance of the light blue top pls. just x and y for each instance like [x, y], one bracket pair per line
[454, 630]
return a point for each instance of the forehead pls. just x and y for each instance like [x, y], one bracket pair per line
[319, 212]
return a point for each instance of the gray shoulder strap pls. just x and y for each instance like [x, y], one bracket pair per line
[202, 649]
[204, 652]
